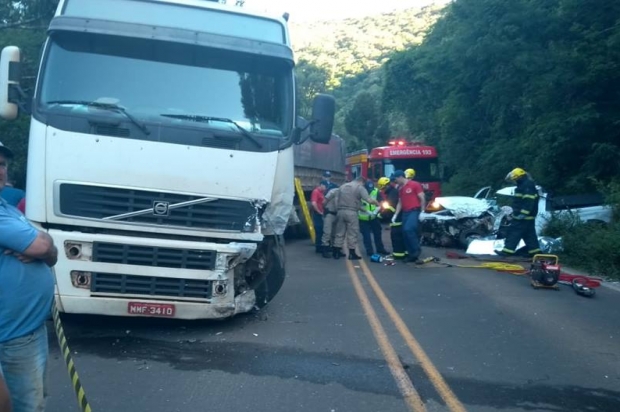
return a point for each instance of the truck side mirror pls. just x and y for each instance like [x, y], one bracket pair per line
[11, 94]
[322, 124]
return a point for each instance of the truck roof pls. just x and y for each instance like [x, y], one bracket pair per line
[163, 13]
[225, 7]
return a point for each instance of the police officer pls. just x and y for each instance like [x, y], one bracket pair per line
[330, 207]
[327, 178]
[369, 222]
[525, 209]
[349, 203]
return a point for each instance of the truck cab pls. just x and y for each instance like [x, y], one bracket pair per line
[161, 154]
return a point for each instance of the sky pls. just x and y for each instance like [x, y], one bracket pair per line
[312, 10]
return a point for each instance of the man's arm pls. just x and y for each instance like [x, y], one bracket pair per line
[529, 200]
[43, 248]
[365, 196]
[315, 206]
[5, 399]
[25, 242]
[315, 202]
[422, 197]
[398, 208]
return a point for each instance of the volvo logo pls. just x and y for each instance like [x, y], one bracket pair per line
[161, 208]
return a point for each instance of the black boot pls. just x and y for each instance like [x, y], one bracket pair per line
[337, 253]
[326, 253]
[353, 255]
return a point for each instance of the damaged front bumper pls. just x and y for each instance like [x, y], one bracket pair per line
[130, 275]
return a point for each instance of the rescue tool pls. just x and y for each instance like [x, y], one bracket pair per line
[545, 272]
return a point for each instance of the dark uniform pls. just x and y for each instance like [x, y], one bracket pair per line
[525, 209]
[391, 197]
[399, 251]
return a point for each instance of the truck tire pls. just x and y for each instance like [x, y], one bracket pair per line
[276, 273]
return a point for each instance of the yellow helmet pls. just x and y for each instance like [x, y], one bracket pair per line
[515, 174]
[410, 173]
[383, 182]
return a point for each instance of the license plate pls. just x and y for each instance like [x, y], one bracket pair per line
[150, 309]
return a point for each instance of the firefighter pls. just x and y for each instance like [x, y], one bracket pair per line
[399, 251]
[369, 222]
[410, 173]
[390, 198]
[411, 202]
[525, 209]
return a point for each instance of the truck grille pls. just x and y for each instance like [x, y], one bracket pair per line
[150, 286]
[154, 256]
[156, 208]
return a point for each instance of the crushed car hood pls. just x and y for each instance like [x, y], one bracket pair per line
[462, 206]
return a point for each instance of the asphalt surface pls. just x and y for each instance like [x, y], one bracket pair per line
[498, 344]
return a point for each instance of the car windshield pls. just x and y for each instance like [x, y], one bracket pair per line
[150, 78]
[426, 170]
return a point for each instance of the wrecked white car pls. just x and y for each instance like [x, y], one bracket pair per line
[453, 221]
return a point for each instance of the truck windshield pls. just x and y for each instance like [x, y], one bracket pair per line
[148, 78]
[426, 170]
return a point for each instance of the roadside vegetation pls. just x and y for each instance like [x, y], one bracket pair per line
[594, 248]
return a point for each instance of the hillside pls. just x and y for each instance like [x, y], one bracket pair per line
[348, 55]
[349, 47]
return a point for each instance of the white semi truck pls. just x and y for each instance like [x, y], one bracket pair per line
[161, 154]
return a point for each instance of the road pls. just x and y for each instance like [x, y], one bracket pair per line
[440, 339]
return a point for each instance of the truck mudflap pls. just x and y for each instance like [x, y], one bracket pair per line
[132, 276]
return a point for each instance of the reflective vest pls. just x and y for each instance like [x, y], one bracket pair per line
[368, 214]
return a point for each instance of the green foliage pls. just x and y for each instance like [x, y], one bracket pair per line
[363, 119]
[352, 52]
[611, 191]
[524, 83]
[560, 224]
[23, 25]
[14, 133]
[311, 80]
[594, 248]
[591, 247]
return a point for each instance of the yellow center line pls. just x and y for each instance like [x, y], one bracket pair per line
[411, 396]
[431, 371]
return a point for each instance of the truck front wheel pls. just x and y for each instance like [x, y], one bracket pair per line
[267, 270]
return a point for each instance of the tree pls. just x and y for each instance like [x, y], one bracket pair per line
[311, 80]
[19, 13]
[23, 24]
[524, 83]
[362, 120]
